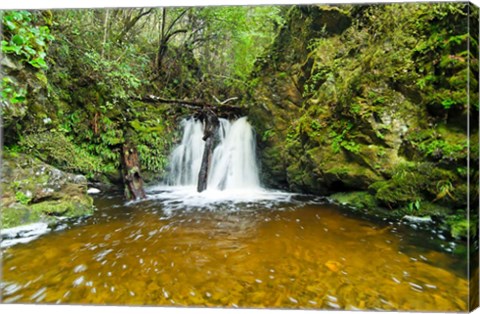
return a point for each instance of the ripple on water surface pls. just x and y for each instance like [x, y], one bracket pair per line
[268, 249]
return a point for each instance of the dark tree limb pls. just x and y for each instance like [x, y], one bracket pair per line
[178, 31]
[176, 20]
[131, 23]
[221, 110]
[154, 99]
[165, 34]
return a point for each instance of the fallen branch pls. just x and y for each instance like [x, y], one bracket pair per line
[153, 98]
[221, 109]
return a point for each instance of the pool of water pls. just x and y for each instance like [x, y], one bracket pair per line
[278, 251]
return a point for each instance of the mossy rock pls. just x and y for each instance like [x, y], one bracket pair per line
[412, 182]
[360, 200]
[47, 211]
[273, 168]
[461, 226]
[390, 192]
[69, 208]
[18, 215]
[331, 20]
[349, 176]
[34, 191]
[364, 203]
[433, 209]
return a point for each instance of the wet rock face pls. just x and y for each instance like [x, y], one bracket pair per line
[341, 107]
[280, 101]
[33, 191]
[327, 20]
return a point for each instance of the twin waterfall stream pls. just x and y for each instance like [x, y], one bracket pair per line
[236, 244]
[233, 165]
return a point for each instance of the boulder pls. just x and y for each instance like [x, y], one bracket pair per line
[33, 191]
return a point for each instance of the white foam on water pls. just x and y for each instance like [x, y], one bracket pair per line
[189, 197]
[22, 234]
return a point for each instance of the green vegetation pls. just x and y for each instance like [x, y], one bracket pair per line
[22, 198]
[55, 149]
[459, 225]
[364, 99]
[72, 97]
[378, 105]
[26, 40]
[359, 200]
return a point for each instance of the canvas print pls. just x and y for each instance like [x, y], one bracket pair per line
[288, 157]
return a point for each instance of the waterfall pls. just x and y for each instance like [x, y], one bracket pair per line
[233, 164]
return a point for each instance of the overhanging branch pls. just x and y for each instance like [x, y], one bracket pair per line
[222, 110]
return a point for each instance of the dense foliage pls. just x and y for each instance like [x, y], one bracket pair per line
[74, 79]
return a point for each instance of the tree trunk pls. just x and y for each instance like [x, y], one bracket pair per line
[105, 31]
[211, 125]
[131, 173]
[162, 44]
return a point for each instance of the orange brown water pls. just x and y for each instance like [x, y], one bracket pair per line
[298, 254]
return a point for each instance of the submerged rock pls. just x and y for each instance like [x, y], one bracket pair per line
[33, 191]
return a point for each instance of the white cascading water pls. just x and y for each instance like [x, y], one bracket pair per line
[233, 176]
[233, 165]
[185, 161]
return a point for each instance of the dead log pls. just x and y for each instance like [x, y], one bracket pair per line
[132, 178]
[211, 126]
[220, 110]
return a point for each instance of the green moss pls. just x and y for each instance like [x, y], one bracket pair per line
[460, 225]
[22, 198]
[459, 229]
[16, 215]
[273, 159]
[33, 191]
[300, 179]
[56, 149]
[393, 192]
[339, 171]
[433, 209]
[65, 208]
[412, 182]
[46, 211]
[360, 200]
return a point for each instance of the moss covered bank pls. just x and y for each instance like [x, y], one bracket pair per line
[372, 100]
